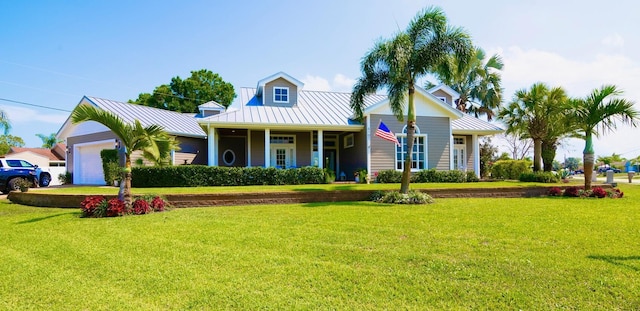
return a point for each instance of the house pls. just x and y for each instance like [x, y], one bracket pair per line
[279, 124]
[49, 160]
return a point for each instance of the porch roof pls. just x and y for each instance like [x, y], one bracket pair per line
[471, 125]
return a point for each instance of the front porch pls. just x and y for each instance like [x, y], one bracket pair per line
[339, 151]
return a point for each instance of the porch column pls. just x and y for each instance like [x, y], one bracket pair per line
[267, 148]
[212, 147]
[368, 142]
[320, 149]
[476, 154]
[248, 148]
[450, 148]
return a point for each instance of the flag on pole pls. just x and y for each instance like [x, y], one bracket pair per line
[384, 133]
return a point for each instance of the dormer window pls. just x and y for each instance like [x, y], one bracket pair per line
[280, 94]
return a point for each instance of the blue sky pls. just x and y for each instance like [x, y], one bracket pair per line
[52, 53]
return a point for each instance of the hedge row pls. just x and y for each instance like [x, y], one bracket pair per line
[510, 169]
[202, 176]
[428, 176]
[543, 177]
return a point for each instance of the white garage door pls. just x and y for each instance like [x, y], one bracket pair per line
[87, 164]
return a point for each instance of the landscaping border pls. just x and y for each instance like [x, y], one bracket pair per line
[44, 199]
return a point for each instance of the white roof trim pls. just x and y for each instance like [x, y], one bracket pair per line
[445, 88]
[455, 113]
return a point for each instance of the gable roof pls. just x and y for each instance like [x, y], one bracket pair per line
[275, 76]
[47, 153]
[174, 123]
[445, 88]
[452, 112]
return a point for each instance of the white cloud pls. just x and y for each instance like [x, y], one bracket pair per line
[19, 115]
[340, 83]
[615, 41]
[578, 77]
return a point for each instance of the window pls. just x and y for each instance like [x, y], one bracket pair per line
[280, 94]
[442, 98]
[419, 154]
[228, 157]
[348, 141]
[283, 153]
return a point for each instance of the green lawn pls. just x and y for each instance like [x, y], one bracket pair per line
[531, 254]
[267, 188]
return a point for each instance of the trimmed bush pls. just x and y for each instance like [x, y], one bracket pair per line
[412, 197]
[389, 177]
[110, 166]
[472, 177]
[433, 176]
[510, 169]
[543, 177]
[202, 176]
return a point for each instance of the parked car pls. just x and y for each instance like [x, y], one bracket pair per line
[10, 178]
[43, 177]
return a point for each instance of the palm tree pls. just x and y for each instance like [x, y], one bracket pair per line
[597, 113]
[132, 137]
[49, 141]
[397, 63]
[159, 153]
[4, 122]
[478, 82]
[558, 126]
[531, 113]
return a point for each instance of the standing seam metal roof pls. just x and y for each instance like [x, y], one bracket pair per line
[174, 123]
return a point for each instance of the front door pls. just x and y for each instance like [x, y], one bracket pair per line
[282, 156]
[330, 159]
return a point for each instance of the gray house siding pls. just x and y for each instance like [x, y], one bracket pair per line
[470, 153]
[437, 130]
[192, 149]
[257, 148]
[237, 145]
[89, 138]
[353, 158]
[441, 93]
[267, 93]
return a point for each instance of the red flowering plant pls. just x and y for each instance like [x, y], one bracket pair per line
[598, 192]
[115, 207]
[615, 193]
[555, 191]
[572, 192]
[141, 206]
[158, 204]
[89, 204]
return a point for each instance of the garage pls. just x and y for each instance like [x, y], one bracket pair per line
[87, 164]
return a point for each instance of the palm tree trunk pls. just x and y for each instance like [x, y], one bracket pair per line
[588, 157]
[537, 154]
[126, 190]
[411, 129]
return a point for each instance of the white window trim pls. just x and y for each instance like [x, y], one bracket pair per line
[281, 88]
[463, 147]
[426, 152]
[349, 141]
[290, 146]
[224, 157]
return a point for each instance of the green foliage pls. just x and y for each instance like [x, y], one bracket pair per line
[487, 156]
[412, 197]
[510, 169]
[66, 178]
[389, 177]
[24, 184]
[110, 167]
[8, 141]
[202, 175]
[472, 177]
[49, 141]
[434, 176]
[362, 175]
[572, 163]
[329, 176]
[185, 95]
[543, 177]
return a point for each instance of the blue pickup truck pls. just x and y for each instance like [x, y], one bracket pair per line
[12, 173]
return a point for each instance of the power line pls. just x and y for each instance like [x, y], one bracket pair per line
[32, 105]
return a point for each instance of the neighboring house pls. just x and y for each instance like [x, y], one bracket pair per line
[278, 124]
[49, 160]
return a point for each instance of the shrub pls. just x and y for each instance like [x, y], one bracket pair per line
[362, 175]
[66, 178]
[202, 175]
[572, 192]
[510, 169]
[389, 177]
[555, 191]
[615, 193]
[598, 192]
[140, 207]
[472, 177]
[543, 177]
[89, 205]
[376, 195]
[433, 176]
[110, 166]
[329, 176]
[115, 207]
[412, 197]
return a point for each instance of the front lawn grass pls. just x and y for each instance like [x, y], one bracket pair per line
[106, 190]
[531, 254]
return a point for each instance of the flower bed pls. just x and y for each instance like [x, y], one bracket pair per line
[579, 192]
[98, 206]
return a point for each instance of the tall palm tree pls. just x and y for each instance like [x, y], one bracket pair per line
[397, 63]
[531, 113]
[558, 126]
[49, 141]
[596, 114]
[132, 137]
[478, 82]
[4, 122]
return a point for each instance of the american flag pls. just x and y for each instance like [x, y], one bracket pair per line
[384, 133]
